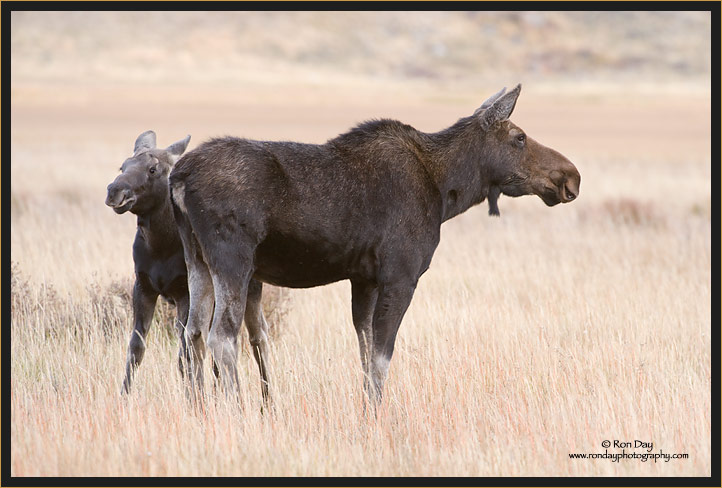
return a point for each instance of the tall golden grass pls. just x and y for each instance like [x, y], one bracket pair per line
[532, 336]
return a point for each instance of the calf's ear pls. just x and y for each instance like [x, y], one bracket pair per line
[500, 109]
[145, 141]
[176, 149]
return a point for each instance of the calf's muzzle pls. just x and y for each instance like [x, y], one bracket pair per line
[120, 197]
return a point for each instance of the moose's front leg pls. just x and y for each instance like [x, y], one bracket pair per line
[144, 299]
[393, 300]
[363, 304]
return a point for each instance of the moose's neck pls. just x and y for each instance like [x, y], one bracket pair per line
[159, 228]
[457, 166]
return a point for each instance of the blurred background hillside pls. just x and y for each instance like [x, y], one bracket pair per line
[607, 85]
[599, 86]
[611, 47]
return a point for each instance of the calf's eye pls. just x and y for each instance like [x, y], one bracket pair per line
[152, 170]
[521, 138]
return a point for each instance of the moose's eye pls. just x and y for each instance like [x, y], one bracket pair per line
[152, 170]
[521, 139]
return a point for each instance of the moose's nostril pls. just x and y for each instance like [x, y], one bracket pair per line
[116, 195]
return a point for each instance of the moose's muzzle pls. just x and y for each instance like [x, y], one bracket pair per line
[119, 198]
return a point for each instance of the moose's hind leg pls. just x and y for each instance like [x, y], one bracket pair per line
[181, 307]
[258, 334]
[230, 266]
[200, 287]
[200, 306]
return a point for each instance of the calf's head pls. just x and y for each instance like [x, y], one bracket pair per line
[517, 164]
[142, 184]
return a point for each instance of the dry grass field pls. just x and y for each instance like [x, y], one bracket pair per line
[533, 336]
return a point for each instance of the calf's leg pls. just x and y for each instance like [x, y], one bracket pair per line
[144, 301]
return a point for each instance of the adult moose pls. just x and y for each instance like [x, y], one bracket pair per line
[142, 189]
[366, 206]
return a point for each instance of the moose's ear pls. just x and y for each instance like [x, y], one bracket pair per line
[145, 141]
[500, 109]
[487, 103]
[177, 148]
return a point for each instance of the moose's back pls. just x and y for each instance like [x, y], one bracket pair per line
[317, 213]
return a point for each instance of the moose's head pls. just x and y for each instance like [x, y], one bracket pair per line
[517, 164]
[143, 182]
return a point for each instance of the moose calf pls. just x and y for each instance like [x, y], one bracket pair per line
[142, 189]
